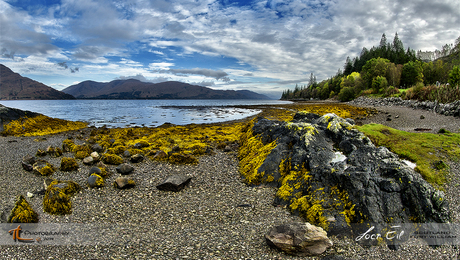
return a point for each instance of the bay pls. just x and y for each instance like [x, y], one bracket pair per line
[151, 113]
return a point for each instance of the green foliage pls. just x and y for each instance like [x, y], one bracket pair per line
[454, 76]
[424, 149]
[346, 94]
[412, 73]
[379, 84]
[374, 68]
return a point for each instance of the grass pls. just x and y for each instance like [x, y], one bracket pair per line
[425, 149]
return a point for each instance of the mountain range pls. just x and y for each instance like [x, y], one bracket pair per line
[13, 86]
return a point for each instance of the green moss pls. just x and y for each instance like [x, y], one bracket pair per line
[424, 149]
[40, 153]
[119, 149]
[68, 164]
[46, 170]
[22, 212]
[111, 159]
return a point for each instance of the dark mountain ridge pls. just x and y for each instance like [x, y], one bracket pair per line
[14, 86]
[135, 89]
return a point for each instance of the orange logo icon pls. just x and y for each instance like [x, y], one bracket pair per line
[16, 234]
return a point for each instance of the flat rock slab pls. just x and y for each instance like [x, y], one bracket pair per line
[174, 183]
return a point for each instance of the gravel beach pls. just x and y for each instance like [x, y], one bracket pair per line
[216, 216]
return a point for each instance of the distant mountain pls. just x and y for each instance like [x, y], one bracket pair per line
[135, 89]
[14, 86]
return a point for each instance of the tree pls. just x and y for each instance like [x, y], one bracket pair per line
[454, 76]
[348, 67]
[374, 68]
[412, 73]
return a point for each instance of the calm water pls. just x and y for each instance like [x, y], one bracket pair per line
[122, 113]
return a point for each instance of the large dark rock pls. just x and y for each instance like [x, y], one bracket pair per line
[125, 169]
[174, 183]
[326, 170]
[301, 239]
[8, 114]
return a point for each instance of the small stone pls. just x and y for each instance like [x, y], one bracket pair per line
[422, 117]
[97, 148]
[95, 181]
[126, 154]
[388, 119]
[137, 158]
[95, 156]
[125, 169]
[174, 183]
[88, 160]
[300, 239]
[30, 195]
[123, 183]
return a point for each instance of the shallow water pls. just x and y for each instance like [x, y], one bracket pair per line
[122, 113]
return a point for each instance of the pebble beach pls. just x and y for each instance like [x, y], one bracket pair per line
[216, 216]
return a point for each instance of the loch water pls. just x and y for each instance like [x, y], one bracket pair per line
[150, 113]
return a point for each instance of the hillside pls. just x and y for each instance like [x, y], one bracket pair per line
[135, 89]
[14, 86]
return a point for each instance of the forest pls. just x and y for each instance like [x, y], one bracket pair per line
[390, 70]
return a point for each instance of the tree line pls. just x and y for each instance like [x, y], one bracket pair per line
[384, 70]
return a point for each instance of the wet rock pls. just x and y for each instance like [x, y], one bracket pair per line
[300, 239]
[124, 183]
[137, 158]
[126, 154]
[175, 183]
[125, 169]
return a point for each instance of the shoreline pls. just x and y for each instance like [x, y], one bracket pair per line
[203, 221]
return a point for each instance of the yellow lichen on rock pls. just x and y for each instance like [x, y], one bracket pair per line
[252, 154]
[56, 202]
[111, 159]
[22, 212]
[68, 164]
[40, 125]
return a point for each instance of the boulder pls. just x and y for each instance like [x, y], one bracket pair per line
[174, 183]
[124, 183]
[97, 148]
[300, 239]
[325, 169]
[21, 212]
[125, 169]
[56, 202]
[111, 159]
[126, 154]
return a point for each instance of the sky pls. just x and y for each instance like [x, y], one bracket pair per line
[265, 46]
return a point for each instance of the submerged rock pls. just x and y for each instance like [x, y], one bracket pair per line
[325, 169]
[174, 183]
[300, 239]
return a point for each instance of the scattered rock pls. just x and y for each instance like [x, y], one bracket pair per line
[422, 117]
[174, 183]
[41, 153]
[56, 202]
[54, 151]
[68, 164]
[27, 162]
[68, 187]
[47, 182]
[97, 148]
[112, 159]
[123, 183]
[126, 154]
[43, 168]
[95, 181]
[141, 144]
[30, 195]
[125, 169]
[88, 160]
[300, 239]
[137, 158]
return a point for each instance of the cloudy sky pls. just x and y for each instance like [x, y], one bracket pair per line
[261, 45]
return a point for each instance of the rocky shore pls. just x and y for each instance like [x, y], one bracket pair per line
[216, 216]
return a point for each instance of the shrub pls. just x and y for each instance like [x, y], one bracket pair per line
[346, 94]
